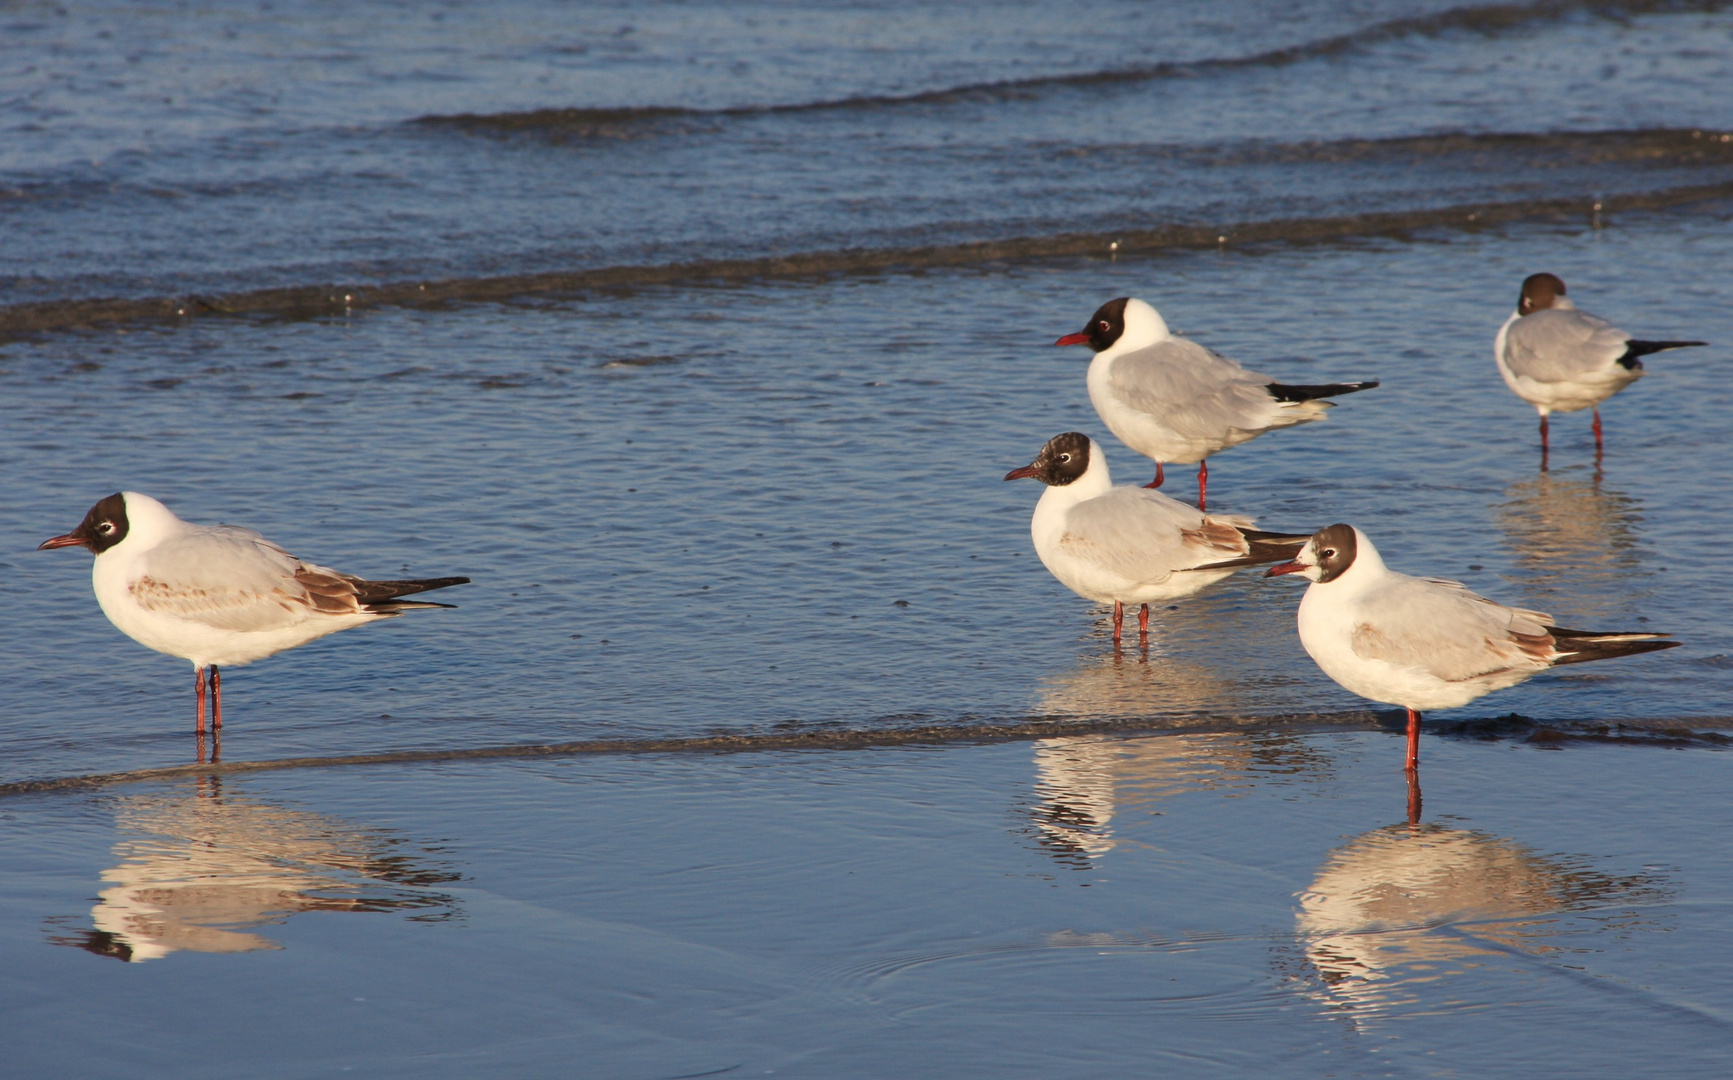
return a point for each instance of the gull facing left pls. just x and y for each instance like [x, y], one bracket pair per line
[220, 594]
[1426, 643]
[1173, 400]
[1130, 545]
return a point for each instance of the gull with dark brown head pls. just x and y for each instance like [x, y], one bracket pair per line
[1426, 643]
[220, 595]
[1173, 400]
[1130, 545]
[1559, 359]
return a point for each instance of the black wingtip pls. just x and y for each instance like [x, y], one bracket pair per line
[381, 592]
[1635, 348]
[1586, 645]
[1285, 393]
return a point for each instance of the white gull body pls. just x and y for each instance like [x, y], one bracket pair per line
[1426, 643]
[1173, 400]
[217, 594]
[1559, 359]
[1126, 545]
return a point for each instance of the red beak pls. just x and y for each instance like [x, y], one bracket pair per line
[69, 540]
[1023, 474]
[1079, 338]
[1285, 568]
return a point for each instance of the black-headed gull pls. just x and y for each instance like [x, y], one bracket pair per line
[1559, 359]
[1173, 400]
[1426, 643]
[1130, 545]
[220, 595]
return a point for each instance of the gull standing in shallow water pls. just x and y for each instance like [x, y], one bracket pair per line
[1426, 643]
[1559, 359]
[1173, 400]
[220, 594]
[1130, 545]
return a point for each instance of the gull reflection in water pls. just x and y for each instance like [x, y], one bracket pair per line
[1576, 543]
[1405, 906]
[197, 870]
[1081, 781]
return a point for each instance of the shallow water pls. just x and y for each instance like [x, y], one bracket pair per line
[738, 509]
[1241, 904]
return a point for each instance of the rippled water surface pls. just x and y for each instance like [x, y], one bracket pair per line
[432, 290]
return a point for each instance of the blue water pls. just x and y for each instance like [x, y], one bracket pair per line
[756, 504]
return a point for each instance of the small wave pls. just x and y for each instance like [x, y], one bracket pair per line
[318, 301]
[1486, 19]
[790, 737]
[1671, 733]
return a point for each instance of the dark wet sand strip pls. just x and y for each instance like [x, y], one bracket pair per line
[313, 301]
[1669, 734]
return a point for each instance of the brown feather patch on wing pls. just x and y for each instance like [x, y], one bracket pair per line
[1218, 535]
[328, 593]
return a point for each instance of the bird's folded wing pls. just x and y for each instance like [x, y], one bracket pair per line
[230, 578]
[1560, 345]
[1453, 634]
[1195, 392]
[1145, 536]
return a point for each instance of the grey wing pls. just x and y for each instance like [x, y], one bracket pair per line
[1456, 635]
[1195, 391]
[231, 578]
[1561, 345]
[1145, 536]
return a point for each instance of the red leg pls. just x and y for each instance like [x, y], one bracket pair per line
[1143, 621]
[216, 701]
[1413, 741]
[1157, 481]
[1118, 619]
[1202, 481]
[1597, 433]
[199, 694]
[1414, 796]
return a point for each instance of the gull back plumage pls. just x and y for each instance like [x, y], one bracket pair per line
[225, 595]
[1428, 643]
[1176, 401]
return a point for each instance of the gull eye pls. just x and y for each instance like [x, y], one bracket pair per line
[1104, 326]
[105, 528]
[1064, 457]
[1328, 553]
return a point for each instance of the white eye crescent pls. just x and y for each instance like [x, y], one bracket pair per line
[105, 528]
[1064, 457]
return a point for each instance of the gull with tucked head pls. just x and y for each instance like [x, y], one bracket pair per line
[1559, 359]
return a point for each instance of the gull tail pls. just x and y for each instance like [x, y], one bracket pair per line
[1581, 646]
[1291, 394]
[1266, 547]
[1634, 349]
[382, 597]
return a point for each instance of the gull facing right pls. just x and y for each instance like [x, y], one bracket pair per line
[1173, 400]
[220, 594]
[1426, 643]
[1130, 545]
[1559, 359]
